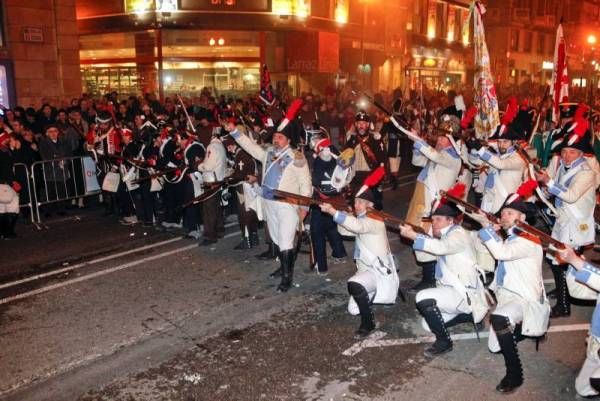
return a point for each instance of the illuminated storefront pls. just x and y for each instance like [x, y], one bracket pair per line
[127, 62]
[182, 46]
[436, 69]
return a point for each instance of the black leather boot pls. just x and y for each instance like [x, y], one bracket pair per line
[367, 319]
[287, 270]
[270, 253]
[508, 347]
[10, 224]
[432, 315]
[428, 279]
[562, 308]
[3, 224]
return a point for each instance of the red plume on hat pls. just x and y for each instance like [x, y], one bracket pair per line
[524, 192]
[580, 125]
[291, 113]
[372, 180]
[458, 191]
[511, 111]
[468, 117]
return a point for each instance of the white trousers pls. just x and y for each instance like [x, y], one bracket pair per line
[282, 221]
[513, 310]
[366, 279]
[449, 301]
[590, 368]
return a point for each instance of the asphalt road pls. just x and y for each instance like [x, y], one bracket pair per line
[90, 310]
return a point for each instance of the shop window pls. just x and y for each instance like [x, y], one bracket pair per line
[222, 77]
[321, 8]
[98, 79]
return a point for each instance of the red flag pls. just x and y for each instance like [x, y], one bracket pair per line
[559, 87]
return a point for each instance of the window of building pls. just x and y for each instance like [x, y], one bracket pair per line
[514, 40]
[541, 48]
[440, 20]
[321, 8]
[527, 43]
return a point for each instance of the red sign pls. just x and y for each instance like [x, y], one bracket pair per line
[313, 52]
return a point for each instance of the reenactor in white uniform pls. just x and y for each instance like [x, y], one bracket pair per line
[286, 170]
[506, 168]
[458, 296]
[376, 280]
[587, 383]
[441, 167]
[213, 169]
[522, 307]
[572, 181]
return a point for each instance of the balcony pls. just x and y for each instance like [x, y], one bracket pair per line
[521, 15]
[545, 21]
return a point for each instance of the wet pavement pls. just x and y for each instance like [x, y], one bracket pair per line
[158, 318]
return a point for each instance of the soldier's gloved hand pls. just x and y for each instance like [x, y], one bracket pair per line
[327, 208]
[407, 231]
[473, 143]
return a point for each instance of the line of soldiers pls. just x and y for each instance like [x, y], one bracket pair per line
[495, 269]
[475, 262]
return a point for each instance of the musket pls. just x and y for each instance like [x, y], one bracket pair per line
[189, 120]
[155, 175]
[201, 198]
[134, 162]
[544, 238]
[396, 123]
[469, 208]
[300, 200]
[392, 221]
[217, 184]
[525, 156]
[521, 225]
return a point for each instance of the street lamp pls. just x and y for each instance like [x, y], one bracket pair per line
[591, 39]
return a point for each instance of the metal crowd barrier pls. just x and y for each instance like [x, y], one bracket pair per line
[22, 175]
[61, 180]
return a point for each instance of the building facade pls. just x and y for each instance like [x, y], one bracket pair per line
[439, 54]
[39, 52]
[522, 36]
[169, 46]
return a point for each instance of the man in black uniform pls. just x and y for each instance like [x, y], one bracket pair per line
[370, 153]
[391, 133]
[127, 193]
[170, 158]
[148, 190]
[322, 226]
[245, 172]
[193, 154]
